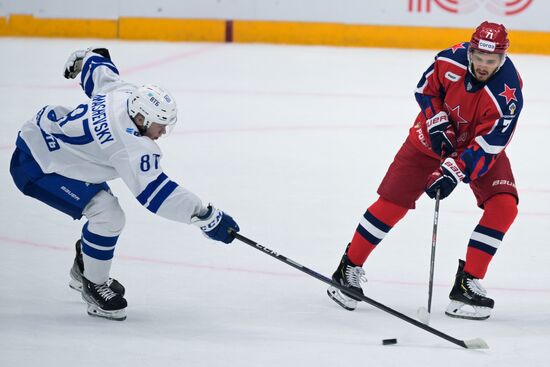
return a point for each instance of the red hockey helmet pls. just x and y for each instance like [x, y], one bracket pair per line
[490, 38]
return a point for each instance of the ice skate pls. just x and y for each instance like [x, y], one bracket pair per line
[78, 269]
[348, 275]
[468, 297]
[102, 301]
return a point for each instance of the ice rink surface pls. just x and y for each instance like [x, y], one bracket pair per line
[292, 142]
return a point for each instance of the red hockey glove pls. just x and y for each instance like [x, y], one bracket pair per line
[444, 179]
[442, 134]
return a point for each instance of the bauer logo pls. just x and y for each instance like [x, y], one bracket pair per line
[452, 76]
[504, 182]
[487, 46]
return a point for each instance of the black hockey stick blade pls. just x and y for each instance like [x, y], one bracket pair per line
[476, 343]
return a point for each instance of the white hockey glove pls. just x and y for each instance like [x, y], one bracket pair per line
[73, 66]
[216, 224]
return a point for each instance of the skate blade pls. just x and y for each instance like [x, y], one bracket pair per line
[344, 301]
[455, 309]
[117, 288]
[118, 315]
[76, 285]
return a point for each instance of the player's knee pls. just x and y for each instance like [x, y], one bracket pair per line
[105, 212]
[387, 211]
[502, 208]
[117, 218]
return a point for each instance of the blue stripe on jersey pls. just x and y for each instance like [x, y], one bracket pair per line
[98, 239]
[423, 79]
[483, 247]
[86, 77]
[425, 103]
[489, 232]
[97, 254]
[78, 140]
[161, 196]
[473, 157]
[502, 132]
[151, 187]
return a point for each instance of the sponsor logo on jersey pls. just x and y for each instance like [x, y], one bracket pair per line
[503, 182]
[452, 76]
[132, 131]
[100, 125]
[421, 136]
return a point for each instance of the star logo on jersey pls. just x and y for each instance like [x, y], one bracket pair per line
[454, 114]
[457, 47]
[509, 94]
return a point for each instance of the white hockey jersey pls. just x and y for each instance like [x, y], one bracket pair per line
[97, 142]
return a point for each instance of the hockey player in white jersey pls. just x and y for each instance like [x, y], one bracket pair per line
[64, 157]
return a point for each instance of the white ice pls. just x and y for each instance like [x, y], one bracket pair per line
[293, 142]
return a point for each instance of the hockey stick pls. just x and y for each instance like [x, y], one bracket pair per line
[476, 343]
[423, 313]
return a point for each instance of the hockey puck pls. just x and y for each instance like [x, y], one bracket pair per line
[389, 341]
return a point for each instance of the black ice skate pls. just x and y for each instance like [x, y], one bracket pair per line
[468, 292]
[78, 269]
[102, 301]
[348, 275]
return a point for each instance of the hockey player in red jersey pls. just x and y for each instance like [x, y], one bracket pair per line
[470, 100]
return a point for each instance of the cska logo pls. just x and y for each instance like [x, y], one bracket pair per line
[509, 94]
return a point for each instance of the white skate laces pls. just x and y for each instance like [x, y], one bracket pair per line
[476, 287]
[469, 301]
[355, 275]
[104, 291]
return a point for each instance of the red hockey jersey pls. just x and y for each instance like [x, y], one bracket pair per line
[484, 114]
